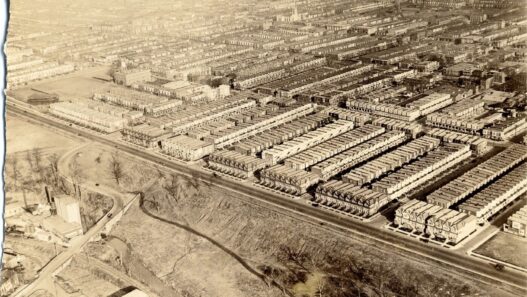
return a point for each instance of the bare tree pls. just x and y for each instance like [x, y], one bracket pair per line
[37, 157]
[15, 172]
[116, 168]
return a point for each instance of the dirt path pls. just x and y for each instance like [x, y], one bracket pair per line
[218, 245]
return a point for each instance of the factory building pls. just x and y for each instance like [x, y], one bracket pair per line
[437, 222]
[497, 195]
[391, 161]
[350, 198]
[360, 153]
[463, 186]
[416, 173]
[186, 148]
[236, 164]
[310, 139]
[517, 223]
[87, 117]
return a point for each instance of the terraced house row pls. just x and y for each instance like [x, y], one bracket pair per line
[391, 161]
[435, 221]
[498, 195]
[473, 180]
[350, 198]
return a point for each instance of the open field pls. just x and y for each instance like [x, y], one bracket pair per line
[22, 136]
[505, 247]
[79, 84]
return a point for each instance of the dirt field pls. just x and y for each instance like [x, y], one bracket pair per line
[507, 248]
[22, 136]
[78, 84]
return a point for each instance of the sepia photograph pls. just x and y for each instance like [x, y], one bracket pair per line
[264, 148]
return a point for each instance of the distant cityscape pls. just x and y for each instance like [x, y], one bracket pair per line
[389, 123]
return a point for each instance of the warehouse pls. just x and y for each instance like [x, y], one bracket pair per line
[471, 181]
[498, 195]
[391, 161]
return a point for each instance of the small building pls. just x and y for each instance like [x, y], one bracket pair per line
[68, 209]
[129, 77]
[517, 223]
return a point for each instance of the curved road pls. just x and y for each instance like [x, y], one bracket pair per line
[470, 267]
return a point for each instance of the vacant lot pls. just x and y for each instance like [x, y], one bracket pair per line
[23, 136]
[507, 248]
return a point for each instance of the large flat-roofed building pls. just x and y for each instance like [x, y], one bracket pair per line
[463, 186]
[431, 103]
[517, 223]
[186, 148]
[128, 77]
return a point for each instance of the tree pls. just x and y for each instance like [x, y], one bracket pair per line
[37, 157]
[15, 172]
[116, 168]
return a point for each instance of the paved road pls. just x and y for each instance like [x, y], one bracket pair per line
[469, 266]
[41, 283]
